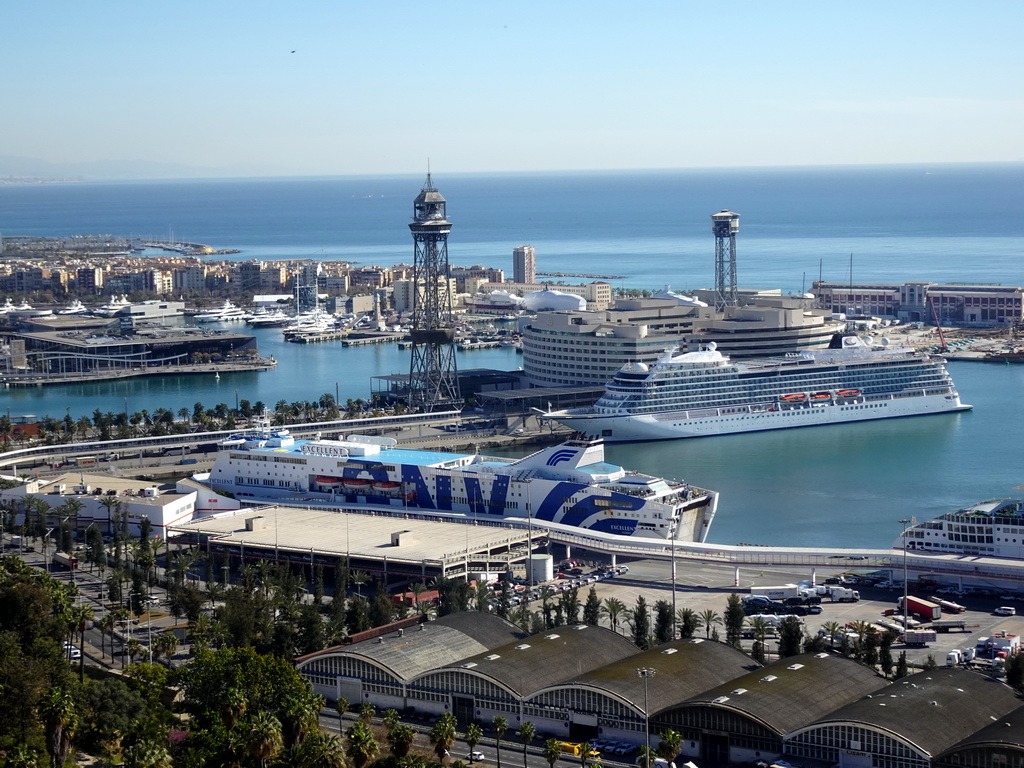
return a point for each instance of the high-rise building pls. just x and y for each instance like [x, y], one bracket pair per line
[524, 264]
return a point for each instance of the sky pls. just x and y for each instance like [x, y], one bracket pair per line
[224, 88]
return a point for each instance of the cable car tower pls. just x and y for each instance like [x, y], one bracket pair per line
[725, 224]
[433, 375]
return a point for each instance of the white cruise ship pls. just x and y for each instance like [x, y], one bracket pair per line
[565, 485]
[700, 394]
[993, 528]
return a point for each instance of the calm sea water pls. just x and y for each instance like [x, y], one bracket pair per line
[843, 486]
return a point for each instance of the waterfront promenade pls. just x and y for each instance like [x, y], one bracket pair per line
[39, 379]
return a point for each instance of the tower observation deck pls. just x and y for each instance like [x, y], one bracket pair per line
[725, 225]
[433, 375]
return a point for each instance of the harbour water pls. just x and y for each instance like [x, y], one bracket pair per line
[840, 486]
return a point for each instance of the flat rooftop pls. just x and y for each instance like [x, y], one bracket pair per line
[362, 536]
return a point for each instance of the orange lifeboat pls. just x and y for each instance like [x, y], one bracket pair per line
[821, 396]
[798, 397]
[356, 482]
[848, 393]
[385, 486]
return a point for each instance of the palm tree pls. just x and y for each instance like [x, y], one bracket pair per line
[341, 707]
[106, 626]
[320, 750]
[400, 738]
[833, 628]
[472, 737]
[147, 754]
[61, 720]
[527, 734]
[359, 578]
[264, 741]
[551, 752]
[708, 618]
[165, 644]
[760, 629]
[669, 745]
[367, 712]
[442, 736]
[361, 746]
[389, 719]
[613, 608]
[500, 725]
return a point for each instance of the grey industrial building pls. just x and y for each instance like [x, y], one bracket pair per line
[582, 683]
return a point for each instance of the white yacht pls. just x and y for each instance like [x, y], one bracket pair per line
[226, 313]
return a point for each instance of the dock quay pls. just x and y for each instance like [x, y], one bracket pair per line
[315, 337]
[36, 379]
[363, 339]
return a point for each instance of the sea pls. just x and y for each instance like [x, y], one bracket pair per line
[847, 485]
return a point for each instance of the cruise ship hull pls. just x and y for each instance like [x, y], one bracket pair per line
[709, 422]
[567, 485]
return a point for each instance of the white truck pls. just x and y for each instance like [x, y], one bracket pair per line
[918, 637]
[843, 595]
[783, 591]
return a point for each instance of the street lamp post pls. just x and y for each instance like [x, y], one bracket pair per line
[646, 673]
[906, 584]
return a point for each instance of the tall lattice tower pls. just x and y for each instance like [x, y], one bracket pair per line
[433, 375]
[725, 224]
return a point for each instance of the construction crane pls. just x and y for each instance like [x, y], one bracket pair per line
[938, 325]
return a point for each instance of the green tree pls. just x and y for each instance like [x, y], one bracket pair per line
[400, 739]
[613, 608]
[527, 734]
[362, 748]
[60, 719]
[472, 737]
[592, 608]
[791, 634]
[734, 617]
[442, 736]
[551, 752]
[901, 666]
[708, 619]
[662, 621]
[367, 712]
[668, 746]
[264, 741]
[641, 622]
[687, 622]
[499, 725]
[759, 627]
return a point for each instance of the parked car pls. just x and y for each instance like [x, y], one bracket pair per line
[1005, 610]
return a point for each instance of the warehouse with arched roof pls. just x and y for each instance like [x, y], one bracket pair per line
[908, 723]
[746, 718]
[612, 702]
[378, 670]
[1000, 743]
[495, 682]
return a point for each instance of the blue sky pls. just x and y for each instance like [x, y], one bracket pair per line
[482, 86]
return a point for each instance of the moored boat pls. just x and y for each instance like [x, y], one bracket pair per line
[704, 393]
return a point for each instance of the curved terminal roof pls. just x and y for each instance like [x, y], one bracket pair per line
[683, 668]
[409, 653]
[793, 692]
[933, 709]
[1004, 734]
[538, 661]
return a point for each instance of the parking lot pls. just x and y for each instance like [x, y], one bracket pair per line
[707, 586]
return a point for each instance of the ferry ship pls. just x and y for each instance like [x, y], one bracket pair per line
[703, 393]
[993, 528]
[567, 485]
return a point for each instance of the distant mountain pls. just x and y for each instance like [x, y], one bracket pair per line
[104, 170]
